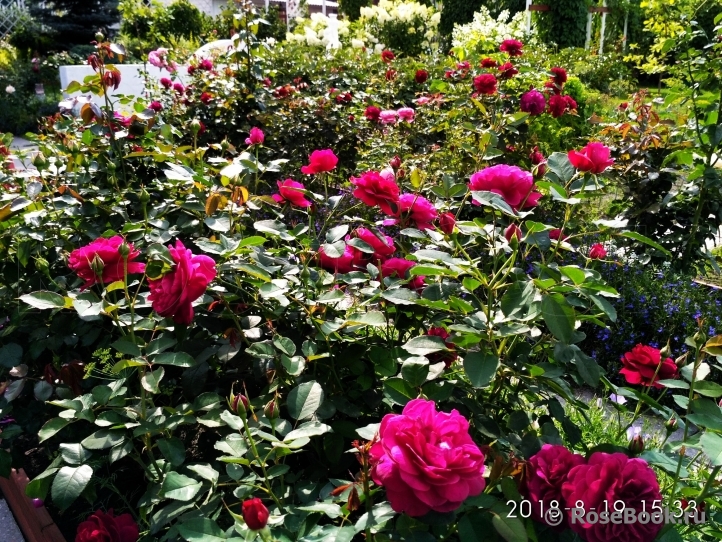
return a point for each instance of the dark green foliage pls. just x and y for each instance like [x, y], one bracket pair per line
[181, 19]
[276, 27]
[457, 12]
[352, 8]
[565, 24]
[71, 22]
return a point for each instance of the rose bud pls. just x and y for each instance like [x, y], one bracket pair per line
[270, 411]
[238, 404]
[395, 162]
[447, 221]
[255, 514]
[636, 445]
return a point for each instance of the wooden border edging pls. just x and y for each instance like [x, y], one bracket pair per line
[35, 523]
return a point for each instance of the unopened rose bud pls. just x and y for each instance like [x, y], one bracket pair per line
[666, 352]
[99, 37]
[225, 145]
[41, 264]
[97, 265]
[144, 196]
[195, 126]
[513, 235]
[395, 162]
[671, 425]
[270, 411]
[73, 146]
[239, 404]
[636, 445]
[447, 221]
[39, 160]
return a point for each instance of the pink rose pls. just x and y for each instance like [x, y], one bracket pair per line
[166, 82]
[416, 208]
[640, 366]
[399, 268]
[533, 102]
[374, 189]
[407, 114]
[100, 262]
[597, 252]
[342, 264]
[255, 137]
[156, 106]
[174, 293]
[423, 100]
[290, 191]
[179, 88]
[606, 479]
[383, 246]
[426, 460]
[593, 158]
[320, 162]
[545, 473]
[512, 183]
[388, 116]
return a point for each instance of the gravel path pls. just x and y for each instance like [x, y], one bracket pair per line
[9, 531]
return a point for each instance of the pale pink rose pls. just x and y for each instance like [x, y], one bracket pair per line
[388, 116]
[407, 114]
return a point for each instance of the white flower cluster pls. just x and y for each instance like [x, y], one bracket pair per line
[484, 33]
[320, 31]
[378, 20]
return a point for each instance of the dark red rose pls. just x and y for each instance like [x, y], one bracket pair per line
[387, 56]
[447, 357]
[489, 63]
[544, 474]
[390, 74]
[255, 514]
[372, 113]
[511, 47]
[447, 221]
[559, 76]
[507, 70]
[600, 484]
[557, 105]
[102, 527]
[640, 366]
[538, 160]
[421, 76]
[485, 83]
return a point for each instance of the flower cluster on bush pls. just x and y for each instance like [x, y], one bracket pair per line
[484, 33]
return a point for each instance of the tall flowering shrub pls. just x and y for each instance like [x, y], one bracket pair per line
[400, 25]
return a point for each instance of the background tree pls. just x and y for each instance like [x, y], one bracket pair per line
[74, 22]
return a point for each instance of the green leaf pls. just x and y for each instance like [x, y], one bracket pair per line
[337, 233]
[151, 380]
[334, 250]
[399, 391]
[332, 510]
[424, 344]
[44, 300]
[708, 389]
[51, 427]
[105, 438]
[711, 445]
[481, 368]
[415, 370]
[205, 471]
[379, 514]
[74, 454]
[308, 429]
[201, 530]
[371, 318]
[558, 316]
[400, 296]
[179, 487]
[126, 345]
[285, 345]
[173, 450]
[560, 165]
[517, 298]
[11, 355]
[588, 368]
[303, 400]
[6, 463]
[510, 528]
[69, 483]
[329, 533]
[491, 199]
[178, 359]
[646, 240]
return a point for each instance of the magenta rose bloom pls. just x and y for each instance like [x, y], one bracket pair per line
[102, 527]
[416, 208]
[156, 106]
[320, 162]
[511, 47]
[533, 102]
[485, 83]
[174, 293]
[372, 113]
[255, 137]
[166, 82]
[640, 365]
[388, 116]
[512, 183]
[558, 105]
[545, 473]
[559, 76]
[342, 264]
[290, 191]
[507, 70]
[399, 268]
[102, 254]
[383, 248]
[375, 189]
[593, 158]
[597, 252]
[426, 460]
[604, 480]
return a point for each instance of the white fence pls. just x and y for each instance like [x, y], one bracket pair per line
[10, 13]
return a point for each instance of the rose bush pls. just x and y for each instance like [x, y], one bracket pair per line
[413, 302]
